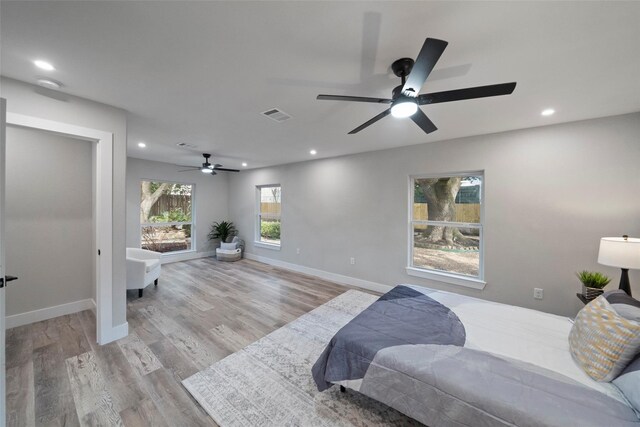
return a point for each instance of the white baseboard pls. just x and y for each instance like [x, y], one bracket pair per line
[185, 256]
[333, 277]
[49, 313]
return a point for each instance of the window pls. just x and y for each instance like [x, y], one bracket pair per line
[446, 226]
[166, 216]
[269, 202]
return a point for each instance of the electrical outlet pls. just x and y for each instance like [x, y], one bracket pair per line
[298, 251]
[352, 261]
[538, 293]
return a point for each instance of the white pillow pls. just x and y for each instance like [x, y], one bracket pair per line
[228, 246]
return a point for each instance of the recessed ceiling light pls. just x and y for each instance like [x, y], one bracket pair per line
[49, 84]
[244, 164]
[141, 144]
[548, 112]
[313, 152]
[44, 65]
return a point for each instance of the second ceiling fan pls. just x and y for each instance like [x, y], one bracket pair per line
[208, 167]
[405, 98]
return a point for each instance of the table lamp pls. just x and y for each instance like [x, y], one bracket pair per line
[623, 252]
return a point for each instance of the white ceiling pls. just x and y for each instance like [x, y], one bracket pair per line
[201, 72]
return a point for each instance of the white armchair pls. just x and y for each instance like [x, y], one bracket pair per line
[143, 267]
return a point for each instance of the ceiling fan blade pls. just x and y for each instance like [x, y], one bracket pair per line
[226, 170]
[426, 60]
[217, 165]
[382, 115]
[354, 98]
[424, 122]
[468, 93]
[213, 173]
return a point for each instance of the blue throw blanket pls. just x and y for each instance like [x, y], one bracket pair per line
[402, 316]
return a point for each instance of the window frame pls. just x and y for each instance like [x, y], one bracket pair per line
[170, 224]
[474, 282]
[258, 219]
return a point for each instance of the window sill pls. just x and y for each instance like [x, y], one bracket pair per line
[467, 282]
[185, 251]
[263, 245]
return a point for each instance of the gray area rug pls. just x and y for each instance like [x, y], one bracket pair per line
[269, 383]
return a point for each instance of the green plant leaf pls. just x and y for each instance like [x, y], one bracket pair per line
[593, 279]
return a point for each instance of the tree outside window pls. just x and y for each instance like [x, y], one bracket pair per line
[166, 216]
[446, 224]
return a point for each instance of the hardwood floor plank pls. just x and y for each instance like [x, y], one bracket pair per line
[123, 384]
[175, 403]
[53, 401]
[175, 361]
[88, 322]
[200, 351]
[19, 346]
[143, 327]
[94, 404]
[44, 333]
[161, 321]
[229, 338]
[20, 395]
[71, 335]
[139, 355]
[144, 414]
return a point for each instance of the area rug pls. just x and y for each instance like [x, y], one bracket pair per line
[269, 383]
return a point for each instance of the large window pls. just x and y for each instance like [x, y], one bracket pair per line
[446, 225]
[166, 216]
[269, 202]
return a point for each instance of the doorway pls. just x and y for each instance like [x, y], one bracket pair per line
[100, 261]
[49, 223]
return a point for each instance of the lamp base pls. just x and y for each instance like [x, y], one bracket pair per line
[624, 281]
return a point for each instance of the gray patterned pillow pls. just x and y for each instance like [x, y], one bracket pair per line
[629, 383]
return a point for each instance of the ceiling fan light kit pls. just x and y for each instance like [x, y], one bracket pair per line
[404, 107]
[405, 99]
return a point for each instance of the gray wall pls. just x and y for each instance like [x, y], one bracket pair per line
[210, 200]
[34, 101]
[49, 220]
[550, 194]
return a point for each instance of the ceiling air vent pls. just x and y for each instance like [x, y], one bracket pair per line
[185, 145]
[276, 115]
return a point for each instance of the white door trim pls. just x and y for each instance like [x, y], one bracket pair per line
[3, 399]
[104, 212]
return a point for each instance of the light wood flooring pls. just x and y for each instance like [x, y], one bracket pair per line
[201, 311]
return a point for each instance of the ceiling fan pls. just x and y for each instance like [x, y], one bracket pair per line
[207, 167]
[405, 98]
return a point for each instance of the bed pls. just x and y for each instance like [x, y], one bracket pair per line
[449, 360]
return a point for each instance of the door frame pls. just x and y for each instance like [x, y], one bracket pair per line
[103, 222]
[3, 369]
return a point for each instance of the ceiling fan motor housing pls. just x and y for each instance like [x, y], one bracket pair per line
[402, 67]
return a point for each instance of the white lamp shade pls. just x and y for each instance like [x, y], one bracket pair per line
[618, 252]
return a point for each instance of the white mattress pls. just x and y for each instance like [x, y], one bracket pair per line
[519, 333]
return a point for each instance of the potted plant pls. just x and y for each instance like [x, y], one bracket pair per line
[593, 283]
[222, 230]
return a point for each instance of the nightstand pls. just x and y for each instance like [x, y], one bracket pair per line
[583, 299]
